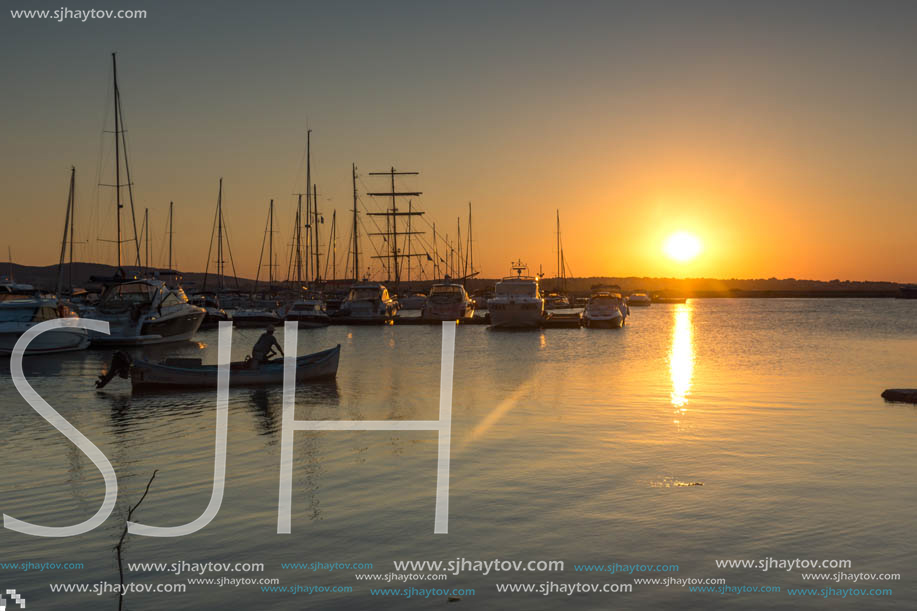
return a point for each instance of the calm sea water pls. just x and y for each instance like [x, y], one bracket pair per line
[575, 445]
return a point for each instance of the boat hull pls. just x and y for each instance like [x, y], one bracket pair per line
[66, 339]
[175, 328]
[510, 317]
[150, 376]
[308, 321]
[609, 322]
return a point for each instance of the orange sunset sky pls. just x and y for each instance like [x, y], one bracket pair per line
[783, 137]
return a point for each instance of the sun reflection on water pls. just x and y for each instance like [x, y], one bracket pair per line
[681, 357]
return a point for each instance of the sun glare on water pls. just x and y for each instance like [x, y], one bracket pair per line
[682, 246]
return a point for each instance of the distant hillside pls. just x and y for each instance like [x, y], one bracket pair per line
[46, 277]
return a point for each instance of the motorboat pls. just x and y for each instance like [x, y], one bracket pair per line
[448, 302]
[309, 313]
[214, 313]
[662, 297]
[13, 290]
[517, 302]
[412, 301]
[191, 373]
[334, 299]
[481, 297]
[606, 310]
[21, 314]
[556, 301]
[144, 311]
[368, 302]
[256, 317]
[639, 298]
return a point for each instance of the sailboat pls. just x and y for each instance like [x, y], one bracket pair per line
[139, 310]
[21, 311]
[262, 311]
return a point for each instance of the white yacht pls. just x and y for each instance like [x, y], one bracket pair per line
[517, 302]
[448, 302]
[19, 315]
[606, 310]
[145, 311]
[369, 302]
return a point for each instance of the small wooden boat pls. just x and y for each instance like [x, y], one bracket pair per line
[190, 373]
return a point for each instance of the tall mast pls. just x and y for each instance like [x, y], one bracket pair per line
[435, 255]
[63, 244]
[392, 221]
[170, 234]
[315, 230]
[309, 199]
[114, 67]
[146, 238]
[410, 209]
[356, 235]
[470, 251]
[458, 241]
[220, 236]
[270, 247]
[72, 225]
[334, 245]
[298, 241]
[558, 250]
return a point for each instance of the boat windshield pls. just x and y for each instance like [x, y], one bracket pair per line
[27, 313]
[605, 300]
[446, 294]
[135, 292]
[527, 289]
[364, 294]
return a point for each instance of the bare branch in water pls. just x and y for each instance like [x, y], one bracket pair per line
[130, 513]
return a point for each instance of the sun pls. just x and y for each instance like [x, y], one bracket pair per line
[682, 246]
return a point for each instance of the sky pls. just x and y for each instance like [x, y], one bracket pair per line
[781, 135]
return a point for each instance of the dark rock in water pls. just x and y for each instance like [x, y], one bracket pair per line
[905, 395]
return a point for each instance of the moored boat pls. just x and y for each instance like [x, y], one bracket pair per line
[370, 303]
[190, 373]
[639, 298]
[606, 310]
[19, 315]
[448, 301]
[144, 311]
[517, 302]
[309, 313]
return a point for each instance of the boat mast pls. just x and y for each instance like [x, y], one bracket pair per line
[270, 247]
[170, 235]
[146, 238]
[315, 231]
[298, 241]
[334, 247]
[114, 66]
[309, 200]
[435, 255]
[392, 221]
[470, 251]
[458, 241]
[63, 244]
[220, 236]
[356, 235]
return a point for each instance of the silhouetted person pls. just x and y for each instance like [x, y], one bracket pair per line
[264, 347]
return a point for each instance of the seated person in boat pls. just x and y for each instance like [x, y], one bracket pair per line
[264, 347]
